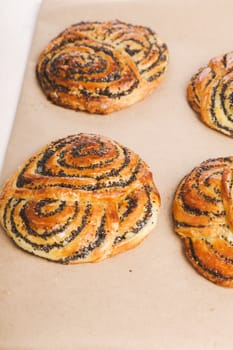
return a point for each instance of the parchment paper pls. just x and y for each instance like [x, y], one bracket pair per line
[150, 297]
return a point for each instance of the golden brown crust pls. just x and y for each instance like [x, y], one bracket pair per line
[203, 217]
[101, 67]
[80, 199]
[210, 94]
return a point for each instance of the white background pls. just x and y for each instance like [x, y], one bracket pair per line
[17, 21]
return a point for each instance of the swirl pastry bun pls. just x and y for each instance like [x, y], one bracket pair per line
[210, 94]
[101, 67]
[81, 199]
[203, 217]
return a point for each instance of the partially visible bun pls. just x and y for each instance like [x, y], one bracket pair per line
[210, 94]
[203, 217]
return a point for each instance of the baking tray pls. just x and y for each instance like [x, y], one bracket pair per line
[150, 297]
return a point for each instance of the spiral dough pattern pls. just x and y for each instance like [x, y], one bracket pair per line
[80, 199]
[203, 217]
[210, 94]
[101, 67]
